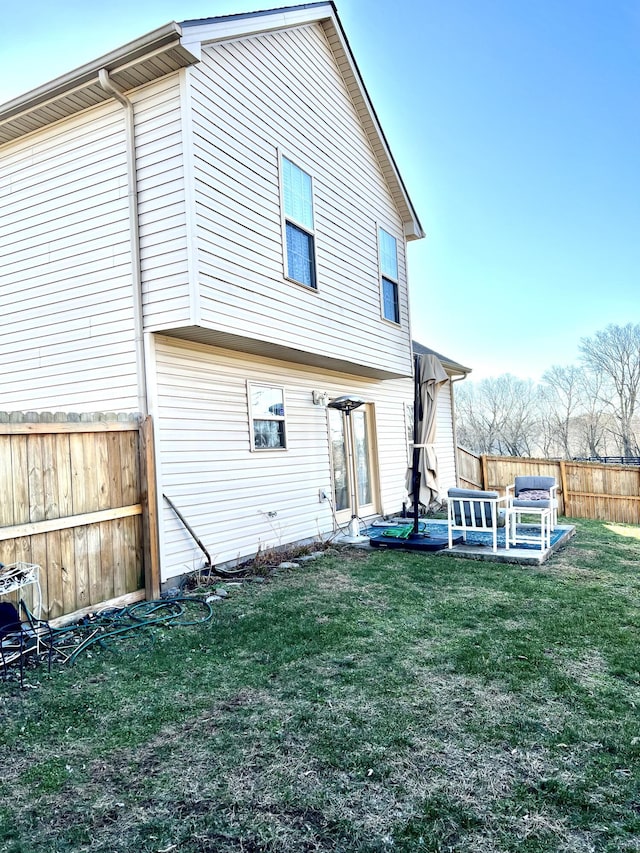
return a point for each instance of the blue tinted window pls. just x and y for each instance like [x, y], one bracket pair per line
[391, 310]
[300, 259]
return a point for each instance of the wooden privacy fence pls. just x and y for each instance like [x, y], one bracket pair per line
[586, 489]
[78, 498]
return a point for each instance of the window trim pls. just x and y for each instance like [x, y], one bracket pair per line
[262, 417]
[384, 277]
[285, 219]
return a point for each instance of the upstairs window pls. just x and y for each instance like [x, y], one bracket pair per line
[388, 252]
[297, 195]
[267, 417]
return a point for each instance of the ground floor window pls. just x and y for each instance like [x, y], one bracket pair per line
[267, 417]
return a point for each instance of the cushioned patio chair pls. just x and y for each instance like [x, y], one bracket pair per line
[534, 493]
[469, 509]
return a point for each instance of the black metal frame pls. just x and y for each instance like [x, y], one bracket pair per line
[21, 639]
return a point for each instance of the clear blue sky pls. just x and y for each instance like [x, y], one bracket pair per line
[516, 126]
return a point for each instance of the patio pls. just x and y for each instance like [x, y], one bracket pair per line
[478, 543]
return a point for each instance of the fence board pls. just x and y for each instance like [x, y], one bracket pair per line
[20, 479]
[94, 566]
[39, 556]
[49, 477]
[6, 482]
[118, 557]
[114, 463]
[130, 542]
[55, 596]
[63, 468]
[36, 479]
[67, 570]
[469, 470]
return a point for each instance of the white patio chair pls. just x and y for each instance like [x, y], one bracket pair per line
[534, 493]
[469, 509]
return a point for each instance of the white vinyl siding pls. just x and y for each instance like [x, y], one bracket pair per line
[277, 91]
[162, 215]
[225, 491]
[65, 280]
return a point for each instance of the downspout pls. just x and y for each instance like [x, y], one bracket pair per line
[132, 191]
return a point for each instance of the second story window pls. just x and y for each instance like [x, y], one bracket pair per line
[297, 196]
[388, 251]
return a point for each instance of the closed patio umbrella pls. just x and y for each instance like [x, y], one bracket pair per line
[429, 376]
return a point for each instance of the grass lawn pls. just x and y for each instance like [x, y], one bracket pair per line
[364, 702]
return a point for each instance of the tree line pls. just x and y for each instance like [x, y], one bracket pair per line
[588, 409]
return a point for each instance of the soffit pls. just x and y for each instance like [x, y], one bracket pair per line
[153, 56]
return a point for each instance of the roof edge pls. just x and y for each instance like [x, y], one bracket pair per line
[155, 40]
[243, 16]
[448, 363]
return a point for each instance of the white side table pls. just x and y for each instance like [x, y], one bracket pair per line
[513, 538]
[18, 575]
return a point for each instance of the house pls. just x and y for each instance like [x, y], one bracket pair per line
[446, 443]
[207, 226]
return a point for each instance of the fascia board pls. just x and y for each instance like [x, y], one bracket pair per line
[79, 77]
[212, 30]
[137, 63]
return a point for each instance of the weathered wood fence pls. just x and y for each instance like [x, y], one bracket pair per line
[77, 497]
[586, 489]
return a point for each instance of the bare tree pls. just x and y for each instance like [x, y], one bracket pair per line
[562, 390]
[592, 422]
[577, 410]
[547, 438]
[498, 416]
[614, 354]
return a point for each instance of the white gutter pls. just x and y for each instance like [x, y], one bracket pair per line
[163, 37]
[132, 191]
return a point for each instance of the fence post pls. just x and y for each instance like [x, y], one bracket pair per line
[563, 484]
[149, 499]
[484, 466]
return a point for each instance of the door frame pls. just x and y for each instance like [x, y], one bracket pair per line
[373, 508]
